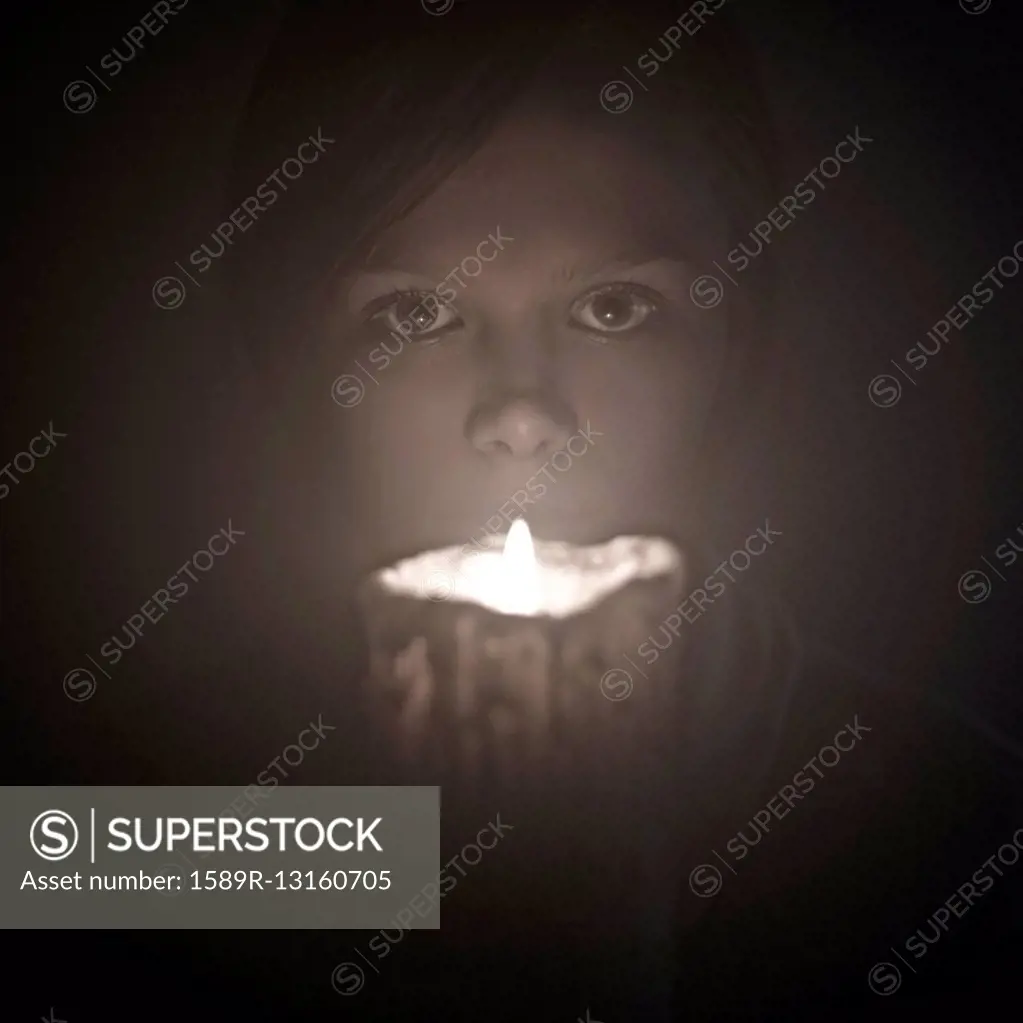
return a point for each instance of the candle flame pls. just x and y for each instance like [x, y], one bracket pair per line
[518, 547]
[521, 579]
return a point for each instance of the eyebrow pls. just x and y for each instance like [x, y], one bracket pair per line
[568, 269]
[565, 271]
[631, 259]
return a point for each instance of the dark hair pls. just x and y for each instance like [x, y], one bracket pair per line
[408, 96]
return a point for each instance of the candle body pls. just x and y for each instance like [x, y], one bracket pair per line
[462, 690]
[511, 714]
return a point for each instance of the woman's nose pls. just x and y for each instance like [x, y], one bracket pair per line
[521, 426]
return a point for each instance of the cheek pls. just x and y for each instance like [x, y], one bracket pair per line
[407, 429]
[651, 403]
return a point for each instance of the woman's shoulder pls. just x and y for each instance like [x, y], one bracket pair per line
[811, 696]
[921, 727]
[882, 796]
[896, 755]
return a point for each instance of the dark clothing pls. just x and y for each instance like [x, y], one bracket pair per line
[861, 835]
[811, 832]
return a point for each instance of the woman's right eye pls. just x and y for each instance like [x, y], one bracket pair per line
[415, 314]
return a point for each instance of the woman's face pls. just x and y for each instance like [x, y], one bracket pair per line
[561, 374]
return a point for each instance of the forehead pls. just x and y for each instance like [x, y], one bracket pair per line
[561, 185]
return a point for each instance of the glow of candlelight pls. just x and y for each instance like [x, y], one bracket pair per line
[527, 577]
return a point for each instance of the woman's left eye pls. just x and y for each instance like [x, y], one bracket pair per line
[613, 309]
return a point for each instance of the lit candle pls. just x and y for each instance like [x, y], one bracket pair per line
[496, 657]
[487, 675]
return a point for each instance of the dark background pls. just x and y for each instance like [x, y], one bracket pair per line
[882, 510]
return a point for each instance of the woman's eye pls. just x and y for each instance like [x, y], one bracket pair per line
[417, 314]
[612, 310]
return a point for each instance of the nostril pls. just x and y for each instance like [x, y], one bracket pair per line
[519, 428]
